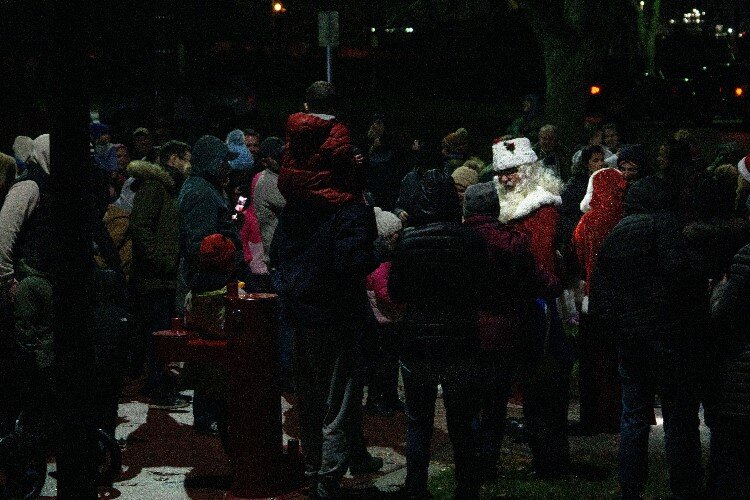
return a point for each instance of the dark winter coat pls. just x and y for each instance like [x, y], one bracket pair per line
[407, 192]
[731, 305]
[570, 210]
[154, 227]
[642, 274]
[318, 165]
[203, 211]
[437, 271]
[384, 177]
[715, 242]
[323, 259]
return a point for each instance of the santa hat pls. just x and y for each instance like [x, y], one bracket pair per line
[216, 253]
[744, 168]
[512, 154]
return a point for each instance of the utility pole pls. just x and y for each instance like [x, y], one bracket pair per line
[328, 37]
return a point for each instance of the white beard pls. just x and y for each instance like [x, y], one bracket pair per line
[538, 187]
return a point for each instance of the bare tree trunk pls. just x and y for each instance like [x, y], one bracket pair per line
[575, 36]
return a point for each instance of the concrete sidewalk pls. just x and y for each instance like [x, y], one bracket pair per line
[163, 458]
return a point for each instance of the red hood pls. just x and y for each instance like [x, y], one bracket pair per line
[609, 190]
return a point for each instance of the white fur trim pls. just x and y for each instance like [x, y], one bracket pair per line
[536, 188]
[535, 200]
[512, 154]
[586, 201]
[742, 166]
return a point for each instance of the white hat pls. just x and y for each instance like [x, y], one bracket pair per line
[512, 154]
[744, 167]
[387, 222]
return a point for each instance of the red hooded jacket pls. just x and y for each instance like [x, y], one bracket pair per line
[607, 192]
[318, 164]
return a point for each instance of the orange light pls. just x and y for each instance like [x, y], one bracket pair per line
[739, 91]
[595, 90]
[278, 7]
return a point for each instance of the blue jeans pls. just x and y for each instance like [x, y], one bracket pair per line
[460, 391]
[647, 369]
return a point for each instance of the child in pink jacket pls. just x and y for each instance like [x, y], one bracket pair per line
[382, 394]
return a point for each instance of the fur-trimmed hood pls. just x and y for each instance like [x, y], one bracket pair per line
[612, 187]
[143, 170]
[538, 187]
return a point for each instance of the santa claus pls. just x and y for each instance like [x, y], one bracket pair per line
[529, 199]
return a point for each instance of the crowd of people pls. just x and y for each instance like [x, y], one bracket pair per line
[435, 267]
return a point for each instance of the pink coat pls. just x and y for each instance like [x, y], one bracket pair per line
[250, 235]
[385, 309]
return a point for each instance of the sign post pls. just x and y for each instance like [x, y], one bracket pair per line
[328, 37]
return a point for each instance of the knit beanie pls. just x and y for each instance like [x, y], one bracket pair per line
[481, 199]
[635, 154]
[457, 142]
[216, 253]
[387, 222]
[465, 176]
[271, 147]
[475, 164]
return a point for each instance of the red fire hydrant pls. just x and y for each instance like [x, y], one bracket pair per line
[261, 466]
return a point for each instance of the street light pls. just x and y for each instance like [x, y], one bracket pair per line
[278, 7]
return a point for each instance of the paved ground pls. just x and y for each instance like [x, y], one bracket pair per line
[164, 458]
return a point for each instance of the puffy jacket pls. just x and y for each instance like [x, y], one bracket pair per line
[154, 227]
[437, 271]
[641, 277]
[323, 259]
[731, 304]
[318, 165]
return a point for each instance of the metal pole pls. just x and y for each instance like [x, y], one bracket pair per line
[329, 63]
